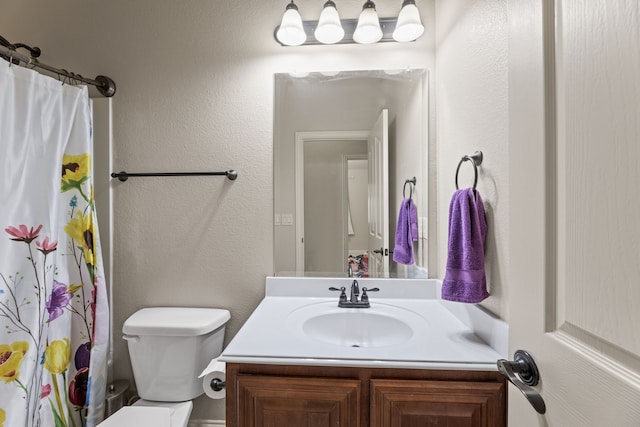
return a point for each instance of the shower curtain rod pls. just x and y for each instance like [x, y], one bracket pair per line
[105, 85]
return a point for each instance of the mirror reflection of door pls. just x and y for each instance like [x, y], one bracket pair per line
[334, 234]
[378, 151]
[325, 203]
[356, 236]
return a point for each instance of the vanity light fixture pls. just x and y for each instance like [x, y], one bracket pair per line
[367, 29]
[291, 32]
[409, 26]
[329, 29]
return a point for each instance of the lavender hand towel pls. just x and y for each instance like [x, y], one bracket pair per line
[465, 279]
[406, 232]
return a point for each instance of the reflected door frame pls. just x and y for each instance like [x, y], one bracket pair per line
[346, 202]
[300, 140]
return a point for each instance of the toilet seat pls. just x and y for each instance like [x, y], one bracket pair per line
[146, 413]
[180, 411]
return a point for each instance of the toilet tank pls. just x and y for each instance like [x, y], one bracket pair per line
[170, 346]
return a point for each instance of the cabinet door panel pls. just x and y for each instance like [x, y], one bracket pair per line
[435, 403]
[266, 401]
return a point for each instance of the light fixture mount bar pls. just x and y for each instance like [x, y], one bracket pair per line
[386, 24]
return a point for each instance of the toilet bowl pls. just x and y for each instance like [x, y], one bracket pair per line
[169, 347]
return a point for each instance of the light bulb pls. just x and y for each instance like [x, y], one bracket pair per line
[409, 27]
[291, 32]
[368, 29]
[329, 28]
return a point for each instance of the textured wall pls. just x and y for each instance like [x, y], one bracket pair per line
[195, 92]
[472, 114]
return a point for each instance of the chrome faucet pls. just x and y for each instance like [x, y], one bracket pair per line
[355, 292]
[355, 301]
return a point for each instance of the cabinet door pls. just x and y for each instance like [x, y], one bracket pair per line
[416, 403]
[269, 401]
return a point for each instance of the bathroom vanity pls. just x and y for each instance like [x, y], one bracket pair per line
[408, 360]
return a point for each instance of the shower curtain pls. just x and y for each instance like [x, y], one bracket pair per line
[54, 317]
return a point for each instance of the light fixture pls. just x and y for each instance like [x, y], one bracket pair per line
[368, 29]
[409, 27]
[291, 32]
[329, 29]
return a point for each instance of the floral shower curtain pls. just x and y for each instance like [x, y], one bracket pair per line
[54, 317]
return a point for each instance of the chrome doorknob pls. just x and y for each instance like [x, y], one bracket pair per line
[523, 373]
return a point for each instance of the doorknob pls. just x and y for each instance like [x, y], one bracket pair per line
[522, 372]
[382, 251]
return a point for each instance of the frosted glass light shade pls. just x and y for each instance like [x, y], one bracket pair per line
[368, 29]
[409, 26]
[291, 32]
[329, 29]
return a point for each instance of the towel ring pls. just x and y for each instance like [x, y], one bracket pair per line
[476, 160]
[404, 188]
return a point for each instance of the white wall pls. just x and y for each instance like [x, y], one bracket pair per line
[195, 92]
[472, 114]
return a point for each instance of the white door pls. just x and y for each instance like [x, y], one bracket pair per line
[378, 147]
[574, 278]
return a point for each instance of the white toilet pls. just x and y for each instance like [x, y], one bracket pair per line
[169, 348]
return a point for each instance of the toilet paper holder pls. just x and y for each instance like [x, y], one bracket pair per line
[217, 384]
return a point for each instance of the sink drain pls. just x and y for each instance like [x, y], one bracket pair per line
[355, 345]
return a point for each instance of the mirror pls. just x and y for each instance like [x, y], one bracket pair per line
[327, 202]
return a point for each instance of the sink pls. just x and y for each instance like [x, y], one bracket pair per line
[357, 329]
[379, 326]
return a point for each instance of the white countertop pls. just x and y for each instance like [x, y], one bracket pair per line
[445, 335]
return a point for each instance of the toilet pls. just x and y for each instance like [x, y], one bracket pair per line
[169, 347]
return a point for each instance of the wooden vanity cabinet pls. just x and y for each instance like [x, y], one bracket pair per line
[317, 396]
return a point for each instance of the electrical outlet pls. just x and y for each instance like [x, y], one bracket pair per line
[277, 219]
[287, 219]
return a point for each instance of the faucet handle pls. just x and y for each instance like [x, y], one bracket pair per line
[365, 297]
[342, 290]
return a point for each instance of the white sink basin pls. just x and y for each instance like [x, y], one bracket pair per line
[379, 326]
[357, 329]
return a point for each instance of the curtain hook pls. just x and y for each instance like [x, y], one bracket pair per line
[65, 76]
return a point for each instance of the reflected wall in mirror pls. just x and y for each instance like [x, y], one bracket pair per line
[335, 189]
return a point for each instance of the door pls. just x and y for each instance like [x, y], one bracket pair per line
[321, 180]
[574, 208]
[378, 148]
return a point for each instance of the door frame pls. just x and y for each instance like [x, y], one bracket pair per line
[345, 197]
[300, 139]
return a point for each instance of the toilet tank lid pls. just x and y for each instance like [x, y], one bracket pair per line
[175, 321]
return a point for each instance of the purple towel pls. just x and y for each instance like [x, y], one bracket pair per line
[406, 233]
[465, 280]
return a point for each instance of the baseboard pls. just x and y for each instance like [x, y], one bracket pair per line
[206, 423]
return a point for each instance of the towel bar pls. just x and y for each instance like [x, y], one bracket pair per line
[476, 160]
[408, 181]
[123, 176]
